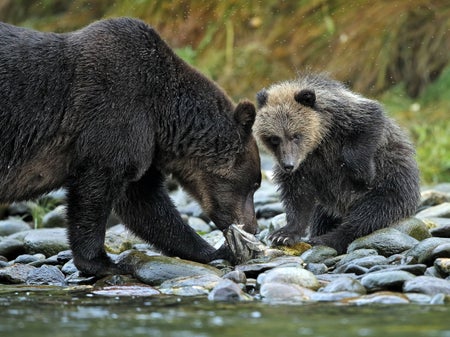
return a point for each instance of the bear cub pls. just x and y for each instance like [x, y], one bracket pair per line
[107, 112]
[344, 169]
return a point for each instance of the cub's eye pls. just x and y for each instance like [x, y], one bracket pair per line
[274, 140]
[297, 137]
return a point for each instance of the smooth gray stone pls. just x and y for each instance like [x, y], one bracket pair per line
[427, 285]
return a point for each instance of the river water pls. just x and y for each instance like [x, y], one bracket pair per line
[46, 311]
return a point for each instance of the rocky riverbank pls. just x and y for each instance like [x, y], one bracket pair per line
[408, 263]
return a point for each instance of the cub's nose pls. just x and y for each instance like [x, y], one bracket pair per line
[288, 167]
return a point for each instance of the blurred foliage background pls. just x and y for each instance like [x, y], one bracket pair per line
[395, 51]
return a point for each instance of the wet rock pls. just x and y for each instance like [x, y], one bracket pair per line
[290, 275]
[344, 284]
[327, 278]
[419, 298]
[277, 222]
[363, 262]
[228, 291]
[49, 275]
[190, 286]
[15, 274]
[55, 218]
[285, 293]
[383, 297]
[78, 279]
[442, 231]
[47, 241]
[135, 290]
[256, 267]
[424, 252]
[19, 208]
[352, 268]
[386, 280]
[354, 255]
[154, 270]
[415, 269]
[433, 198]
[316, 268]
[386, 242]
[10, 247]
[441, 210]
[439, 299]
[332, 261]
[432, 271]
[427, 285]
[443, 250]
[69, 268]
[215, 238]
[443, 266]
[64, 256]
[13, 225]
[199, 225]
[119, 239]
[28, 258]
[237, 276]
[318, 254]
[413, 227]
[51, 261]
[333, 297]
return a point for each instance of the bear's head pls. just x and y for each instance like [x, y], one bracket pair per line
[224, 182]
[289, 124]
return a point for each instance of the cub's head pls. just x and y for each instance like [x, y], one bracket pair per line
[288, 123]
[224, 183]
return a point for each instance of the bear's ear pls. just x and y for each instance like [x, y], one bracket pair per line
[244, 115]
[261, 98]
[307, 97]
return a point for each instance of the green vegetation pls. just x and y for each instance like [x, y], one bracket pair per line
[394, 51]
[427, 118]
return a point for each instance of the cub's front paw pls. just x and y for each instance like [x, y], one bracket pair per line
[285, 237]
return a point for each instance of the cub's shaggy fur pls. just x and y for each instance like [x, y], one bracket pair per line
[343, 167]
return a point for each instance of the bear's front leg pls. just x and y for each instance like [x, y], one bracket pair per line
[90, 198]
[299, 209]
[148, 211]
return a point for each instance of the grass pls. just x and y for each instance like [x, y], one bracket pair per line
[427, 119]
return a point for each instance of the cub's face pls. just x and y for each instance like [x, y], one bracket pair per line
[288, 125]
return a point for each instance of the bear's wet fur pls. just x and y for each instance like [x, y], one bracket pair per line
[344, 169]
[107, 112]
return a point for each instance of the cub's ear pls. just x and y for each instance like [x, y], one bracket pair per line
[306, 97]
[244, 115]
[261, 98]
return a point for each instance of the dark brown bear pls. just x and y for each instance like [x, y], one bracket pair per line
[343, 168]
[107, 112]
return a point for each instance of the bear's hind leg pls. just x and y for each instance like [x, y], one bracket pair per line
[377, 209]
[148, 211]
[90, 198]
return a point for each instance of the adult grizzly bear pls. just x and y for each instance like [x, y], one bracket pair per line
[107, 112]
[344, 168]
